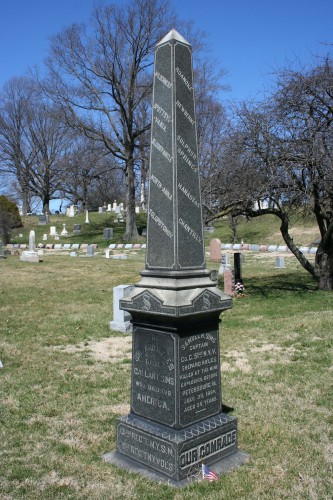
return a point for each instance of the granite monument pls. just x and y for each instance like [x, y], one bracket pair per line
[176, 421]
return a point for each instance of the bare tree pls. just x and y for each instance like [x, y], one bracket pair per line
[101, 75]
[281, 151]
[15, 152]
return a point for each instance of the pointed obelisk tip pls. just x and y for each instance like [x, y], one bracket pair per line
[173, 35]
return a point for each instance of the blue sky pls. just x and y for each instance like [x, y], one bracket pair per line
[250, 39]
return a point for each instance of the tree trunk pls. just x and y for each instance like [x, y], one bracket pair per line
[46, 204]
[324, 268]
[131, 233]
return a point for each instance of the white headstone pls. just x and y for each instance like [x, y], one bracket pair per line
[121, 319]
[32, 241]
[64, 232]
[44, 237]
[109, 207]
[87, 217]
[53, 230]
[279, 262]
[71, 211]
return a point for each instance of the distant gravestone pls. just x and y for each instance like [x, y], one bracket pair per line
[272, 248]
[215, 250]
[77, 229]
[107, 233]
[87, 217]
[228, 281]
[31, 255]
[90, 251]
[279, 262]
[32, 241]
[53, 230]
[43, 219]
[238, 268]
[225, 263]
[121, 319]
[1, 251]
[254, 248]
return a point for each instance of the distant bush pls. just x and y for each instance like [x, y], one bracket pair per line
[9, 218]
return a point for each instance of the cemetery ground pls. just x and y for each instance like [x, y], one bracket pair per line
[66, 378]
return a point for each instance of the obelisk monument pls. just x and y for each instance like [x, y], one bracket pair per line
[176, 421]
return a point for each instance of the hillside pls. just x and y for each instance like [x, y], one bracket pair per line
[262, 230]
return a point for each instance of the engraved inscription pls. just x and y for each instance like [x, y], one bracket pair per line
[187, 160]
[159, 184]
[161, 149]
[162, 111]
[163, 79]
[188, 194]
[199, 375]
[160, 123]
[160, 223]
[189, 230]
[185, 112]
[186, 146]
[152, 451]
[184, 80]
[153, 383]
[206, 450]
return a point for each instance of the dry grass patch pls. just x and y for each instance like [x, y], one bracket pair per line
[112, 349]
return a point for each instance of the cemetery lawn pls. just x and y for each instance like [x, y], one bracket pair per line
[66, 378]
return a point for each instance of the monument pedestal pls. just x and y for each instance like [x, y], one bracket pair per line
[175, 456]
[176, 422]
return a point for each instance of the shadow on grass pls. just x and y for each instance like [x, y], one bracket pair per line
[274, 284]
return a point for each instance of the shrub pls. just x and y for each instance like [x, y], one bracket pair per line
[9, 218]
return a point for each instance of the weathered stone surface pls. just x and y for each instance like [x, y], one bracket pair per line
[121, 321]
[176, 417]
[177, 454]
[29, 256]
[174, 209]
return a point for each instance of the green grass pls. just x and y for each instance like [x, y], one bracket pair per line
[60, 401]
[90, 233]
[266, 230]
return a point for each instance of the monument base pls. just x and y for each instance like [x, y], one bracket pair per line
[121, 326]
[29, 256]
[176, 456]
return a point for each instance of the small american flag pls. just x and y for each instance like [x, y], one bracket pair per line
[208, 474]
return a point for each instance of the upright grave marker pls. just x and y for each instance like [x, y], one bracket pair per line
[176, 421]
